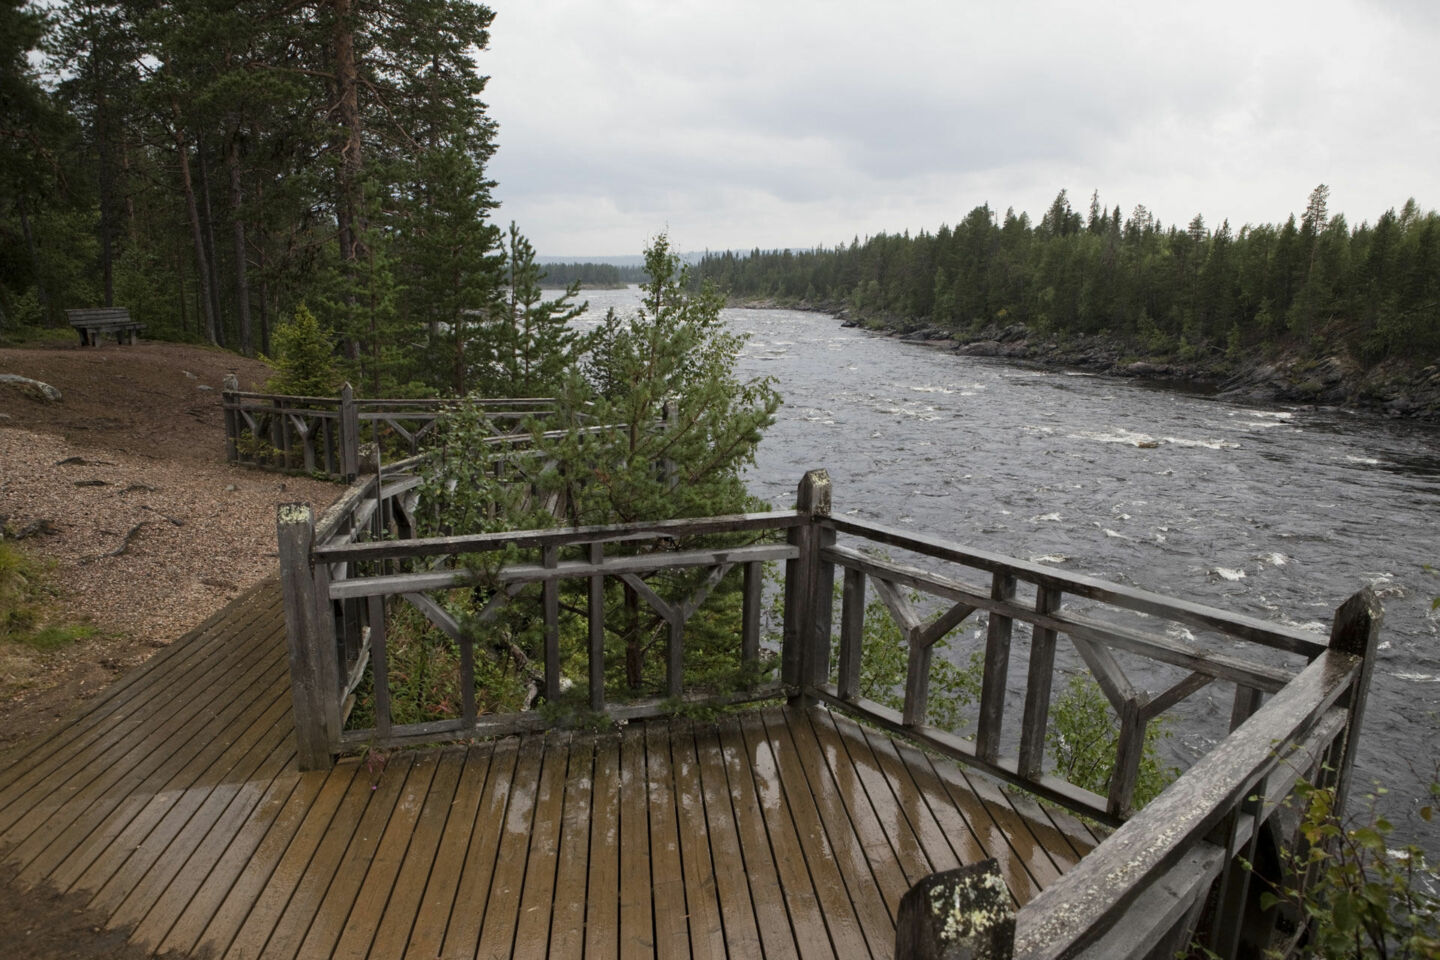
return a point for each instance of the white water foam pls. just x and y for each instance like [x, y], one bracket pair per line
[1118, 435]
[1263, 414]
[1205, 444]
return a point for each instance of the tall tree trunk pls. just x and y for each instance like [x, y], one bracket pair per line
[132, 228]
[41, 294]
[180, 284]
[347, 115]
[242, 283]
[207, 220]
[196, 234]
[264, 310]
[107, 255]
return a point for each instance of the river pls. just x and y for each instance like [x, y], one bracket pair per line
[1277, 512]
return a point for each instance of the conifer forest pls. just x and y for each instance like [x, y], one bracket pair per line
[1314, 283]
[213, 166]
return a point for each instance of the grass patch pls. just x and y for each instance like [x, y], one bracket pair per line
[53, 638]
[29, 336]
[25, 596]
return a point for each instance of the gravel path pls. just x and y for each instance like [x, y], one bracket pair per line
[152, 530]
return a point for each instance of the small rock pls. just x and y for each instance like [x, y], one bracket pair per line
[204, 386]
[34, 528]
[92, 483]
[231, 488]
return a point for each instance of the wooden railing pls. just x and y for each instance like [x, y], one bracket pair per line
[1296, 697]
[324, 435]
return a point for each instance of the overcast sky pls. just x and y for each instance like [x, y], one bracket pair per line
[797, 123]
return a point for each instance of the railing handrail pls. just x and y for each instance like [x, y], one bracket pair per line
[1267, 633]
[554, 536]
[1098, 889]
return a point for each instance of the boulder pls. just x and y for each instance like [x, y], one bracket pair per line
[32, 388]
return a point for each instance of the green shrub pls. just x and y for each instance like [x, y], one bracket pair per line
[1084, 735]
[1361, 897]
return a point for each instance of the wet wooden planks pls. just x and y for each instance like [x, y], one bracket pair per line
[173, 805]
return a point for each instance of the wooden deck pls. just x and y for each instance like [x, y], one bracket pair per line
[174, 803]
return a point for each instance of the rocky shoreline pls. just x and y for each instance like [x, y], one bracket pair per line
[1391, 389]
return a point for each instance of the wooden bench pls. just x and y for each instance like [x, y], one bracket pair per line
[93, 322]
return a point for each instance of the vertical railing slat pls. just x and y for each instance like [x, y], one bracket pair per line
[597, 632]
[379, 666]
[1247, 701]
[1038, 686]
[852, 633]
[822, 594]
[467, 677]
[551, 592]
[750, 613]
[997, 670]
[1129, 748]
[917, 679]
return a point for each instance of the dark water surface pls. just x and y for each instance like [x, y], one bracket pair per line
[1277, 512]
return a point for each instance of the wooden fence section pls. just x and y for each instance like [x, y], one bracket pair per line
[1316, 687]
[324, 434]
[778, 833]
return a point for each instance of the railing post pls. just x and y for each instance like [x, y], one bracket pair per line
[349, 434]
[229, 388]
[963, 914]
[314, 677]
[1355, 630]
[799, 652]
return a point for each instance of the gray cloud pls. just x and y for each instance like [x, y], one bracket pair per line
[802, 123]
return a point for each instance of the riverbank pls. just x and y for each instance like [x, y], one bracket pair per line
[1393, 388]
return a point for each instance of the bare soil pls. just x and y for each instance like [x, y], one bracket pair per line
[148, 532]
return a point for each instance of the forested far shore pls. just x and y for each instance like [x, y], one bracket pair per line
[1312, 310]
[593, 276]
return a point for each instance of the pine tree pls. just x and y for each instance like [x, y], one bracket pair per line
[538, 346]
[674, 357]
